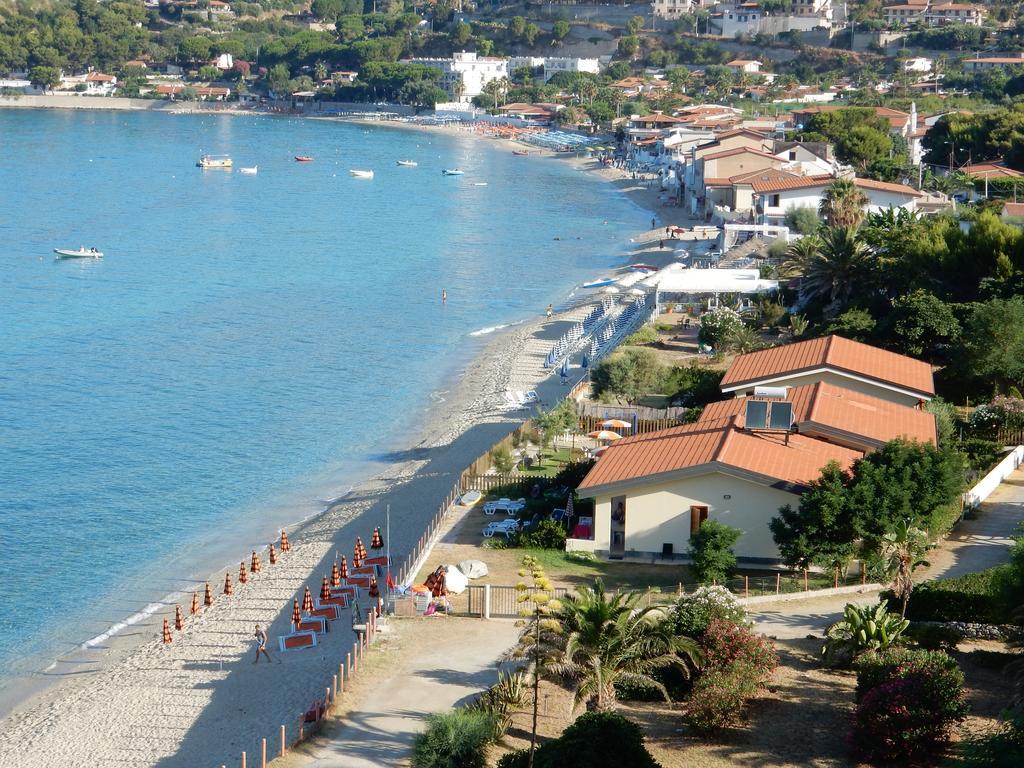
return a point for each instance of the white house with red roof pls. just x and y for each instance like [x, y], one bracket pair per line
[798, 408]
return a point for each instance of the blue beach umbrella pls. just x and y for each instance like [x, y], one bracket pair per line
[584, 362]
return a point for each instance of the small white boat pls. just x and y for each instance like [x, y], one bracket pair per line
[252, 170]
[601, 282]
[452, 172]
[408, 163]
[479, 183]
[214, 161]
[81, 253]
[362, 174]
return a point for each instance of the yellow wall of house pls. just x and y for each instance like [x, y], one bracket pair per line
[724, 167]
[864, 387]
[660, 513]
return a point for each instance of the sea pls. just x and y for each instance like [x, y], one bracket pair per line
[250, 346]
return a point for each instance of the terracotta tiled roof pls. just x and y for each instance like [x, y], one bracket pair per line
[884, 186]
[656, 119]
[738, 151]
[763, 175]
[835, 353]
[99, 77]
[776, 458]
[1013, 209]
[991, 170]
[797, 182]
[995, 60]
[825, 408]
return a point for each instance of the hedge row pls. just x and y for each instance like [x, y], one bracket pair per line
[968, 598]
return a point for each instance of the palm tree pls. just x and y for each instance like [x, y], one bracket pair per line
[604, 639]
[843, 204]
[902, 552]
[799, 255]
[320, 71]
[842, 259]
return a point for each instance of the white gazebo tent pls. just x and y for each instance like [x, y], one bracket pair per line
[679, 280]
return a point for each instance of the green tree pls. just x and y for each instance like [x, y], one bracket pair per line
[994, 343]
[718, 326]
[629, 45]
[280, 79]
[711, 551]
[856, 324]
[517, 27]
[618, 70]
[560, 30]
[628, 375]
[635, 24]
[44, 78]
[921, 325]
[843, 261]
[594, 740]
[822, 530]
[195, 49]
[803, 220]
[604, 639]
[530, 34]
[460, 34]
[209, 73]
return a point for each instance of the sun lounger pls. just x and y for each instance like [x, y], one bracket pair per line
[532, 396]
[329, 612]
[312, 624]
[293, 641]
[364, 570]
[341, 601]
[358, 581]
[381, 560]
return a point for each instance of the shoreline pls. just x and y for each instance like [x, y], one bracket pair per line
[463, 427]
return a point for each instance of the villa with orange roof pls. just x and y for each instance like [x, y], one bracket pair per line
[798, 408]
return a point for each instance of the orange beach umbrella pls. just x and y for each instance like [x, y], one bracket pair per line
[256, 566]
[227, 584]
[377, 541]
[615, 424]
[273, 554]
[179, 620]
[374, 591]
[604, 434]
[343, 571]
[167, 632]
[243, 574]
[285, 546]
[296, 616]
[208, 596]
[325, 590]
[307, 601]
[195, 603]
[335, 575]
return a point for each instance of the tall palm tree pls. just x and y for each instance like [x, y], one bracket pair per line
[843, 204]
[605, 638]
[902, 552]
[842, 260]
[799, 255]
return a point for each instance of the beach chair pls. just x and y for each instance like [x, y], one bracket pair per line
[339, 601]
[312, 624]
[558, 515]
[294, 641]
[328, 612]
[532, 396]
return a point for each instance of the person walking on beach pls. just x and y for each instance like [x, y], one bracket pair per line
[551, 310]
[654, 223]
[261, 643]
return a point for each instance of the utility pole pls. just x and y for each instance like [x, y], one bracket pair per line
[536, 683]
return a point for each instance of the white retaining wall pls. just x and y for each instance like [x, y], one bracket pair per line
[991, 481]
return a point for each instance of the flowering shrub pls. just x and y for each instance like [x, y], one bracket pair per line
[692, 613]
[908, 703]
[718, 325]
[1001, 412]
[737, 664]
[726, 643]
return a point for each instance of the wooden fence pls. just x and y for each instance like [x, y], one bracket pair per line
[627, 412]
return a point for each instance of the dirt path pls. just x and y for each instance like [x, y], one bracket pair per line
[430, 665]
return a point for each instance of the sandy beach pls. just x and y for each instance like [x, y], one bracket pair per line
[199, 700]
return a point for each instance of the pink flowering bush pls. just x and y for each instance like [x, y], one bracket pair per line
[908, 703]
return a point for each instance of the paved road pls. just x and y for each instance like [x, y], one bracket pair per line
[977, 544]
[445, 662]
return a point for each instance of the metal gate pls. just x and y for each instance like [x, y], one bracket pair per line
[504, 601]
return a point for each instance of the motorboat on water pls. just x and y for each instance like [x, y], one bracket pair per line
[81, 253]
[214, 161]
[452, 172]
[479, 183]
[303, 159]
[601, 282]
[362, 174]
[255, 169]
[407, 163]
[520, 152]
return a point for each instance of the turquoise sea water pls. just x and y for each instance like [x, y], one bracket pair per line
[249, 344]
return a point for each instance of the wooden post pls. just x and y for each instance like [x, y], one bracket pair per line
[835, 579]
[327, 700]
[243, 760]
[341, 678]
[863, 573]
[805, 579]
[348, 664]
[263, 753]
[746, 586]
[334, 684]
[679, 589]
[778, 582]
[302, 723]
[283, 747]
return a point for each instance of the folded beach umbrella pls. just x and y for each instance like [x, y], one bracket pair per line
[167, 632]
[357, 554]
[285, 546]
[325, 589]
[335, 575]
[179, 620]
[361, 548]
[256, 566]
[377, 542]
[374, 591]
[273, 554]
[228, 590]
[243, 574]
[307, 601]
[296, 615]
[208, 597]
[568, 509]
[615, 424]
[344, 567]
[195, 603]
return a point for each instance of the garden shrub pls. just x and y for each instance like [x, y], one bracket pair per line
[547, 535]
[934, 637]
[711, 551]
[693, 613]
[968, 598]
[456, 739]
[645, 334]
[718, 697]
[726, 643]
[594, 740]
[908, 701]
[981, 454]
[692, 385]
